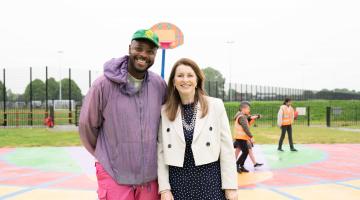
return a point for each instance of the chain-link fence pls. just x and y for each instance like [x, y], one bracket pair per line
[34, 96]
[348, 117]
[28, 95]
[241, 92]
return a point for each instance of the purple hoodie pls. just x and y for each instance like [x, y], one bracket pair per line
[119, 126]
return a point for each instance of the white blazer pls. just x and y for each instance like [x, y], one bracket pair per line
[212, 141]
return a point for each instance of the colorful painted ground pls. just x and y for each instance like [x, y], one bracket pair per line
[315, 172]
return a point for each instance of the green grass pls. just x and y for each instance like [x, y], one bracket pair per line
[33, 137]
[306, 135]
[350, 111]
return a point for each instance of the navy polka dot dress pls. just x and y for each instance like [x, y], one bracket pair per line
[192, 182]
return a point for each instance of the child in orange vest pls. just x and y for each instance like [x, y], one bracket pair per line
[242, 135]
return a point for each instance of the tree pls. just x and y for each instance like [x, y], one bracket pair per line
[38, 91]
[343, 90]
[53, 89]
[308, 94]
[11, 96]
[215, 81]
[75, 90]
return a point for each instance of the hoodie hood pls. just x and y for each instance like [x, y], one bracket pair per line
[116, 69]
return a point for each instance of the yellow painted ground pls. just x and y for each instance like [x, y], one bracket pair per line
[259, 194]
[355, 183]
[6, 190]
[253, 177]
[323, 191]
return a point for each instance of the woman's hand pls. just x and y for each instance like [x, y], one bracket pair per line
[231, 194]
[166, 195]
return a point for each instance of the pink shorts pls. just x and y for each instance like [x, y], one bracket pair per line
[111, 190]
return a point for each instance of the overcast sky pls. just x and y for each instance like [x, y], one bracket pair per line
[311, 44]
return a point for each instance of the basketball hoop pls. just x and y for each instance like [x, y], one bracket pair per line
[170, 37]
[165, 44]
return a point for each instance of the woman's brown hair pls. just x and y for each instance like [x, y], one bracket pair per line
[173, 98]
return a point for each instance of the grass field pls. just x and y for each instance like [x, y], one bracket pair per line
[33, 137]
[307, 135]
[349, 116]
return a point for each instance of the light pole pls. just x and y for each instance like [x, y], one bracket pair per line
[60, 53]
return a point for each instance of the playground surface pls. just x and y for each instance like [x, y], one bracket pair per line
[317, 171]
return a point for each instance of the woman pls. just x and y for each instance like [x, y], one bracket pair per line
[285, 121]
[195, 154]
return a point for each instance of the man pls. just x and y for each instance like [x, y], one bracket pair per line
[285, 120]
[243, 135]
[119, 122]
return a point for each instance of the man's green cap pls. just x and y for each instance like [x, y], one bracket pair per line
[147, 35]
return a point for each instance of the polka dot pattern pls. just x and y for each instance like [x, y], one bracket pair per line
[192, 182]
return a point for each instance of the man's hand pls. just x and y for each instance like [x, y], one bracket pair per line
[166, 195]
[231, 194]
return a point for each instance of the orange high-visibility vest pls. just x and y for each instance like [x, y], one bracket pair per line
[287, 116]
[239, 131]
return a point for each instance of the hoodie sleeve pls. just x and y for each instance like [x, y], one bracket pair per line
[91, 118]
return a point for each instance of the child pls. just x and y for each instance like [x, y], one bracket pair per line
[242, 135]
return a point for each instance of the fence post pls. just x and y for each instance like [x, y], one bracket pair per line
[328, 116]
[251, 92]
[209, 83]
[76, 115]
[4, 99]
[241, 92]
[89, 78]
[216, 89]
[46, 93]
[52, 113]
[229, 91]
[70, 108]
[223, 91]
[308, 115]
[246, 91]
[31, 98]
[235, 92]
